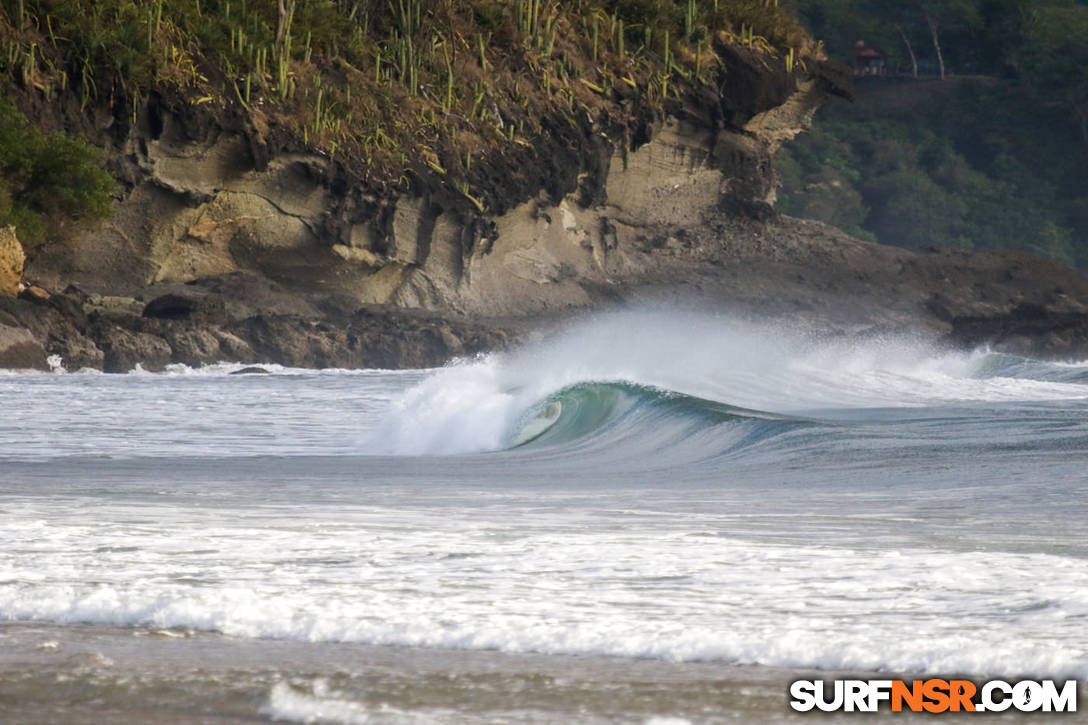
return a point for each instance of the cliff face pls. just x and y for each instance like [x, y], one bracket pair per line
[576, 211]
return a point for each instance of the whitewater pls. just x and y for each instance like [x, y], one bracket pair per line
[653, 515]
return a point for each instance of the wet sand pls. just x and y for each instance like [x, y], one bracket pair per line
[91, 674]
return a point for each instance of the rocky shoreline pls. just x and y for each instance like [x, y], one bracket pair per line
[233, 318]
[782, 268]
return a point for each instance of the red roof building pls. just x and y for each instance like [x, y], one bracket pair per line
[869, 60]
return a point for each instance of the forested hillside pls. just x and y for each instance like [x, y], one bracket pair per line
[992, 155]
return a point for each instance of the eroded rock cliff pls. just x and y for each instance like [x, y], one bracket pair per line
[207, 199]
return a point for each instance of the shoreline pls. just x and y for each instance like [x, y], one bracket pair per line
[204, 677]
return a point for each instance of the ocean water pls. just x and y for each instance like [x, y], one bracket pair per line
[650, 517]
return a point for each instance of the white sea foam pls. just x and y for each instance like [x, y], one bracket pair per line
[318, 704]
[1075, 364]
[287, 703]
[537, 583]
[232, 368]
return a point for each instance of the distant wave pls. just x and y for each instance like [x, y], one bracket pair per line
[994, 364]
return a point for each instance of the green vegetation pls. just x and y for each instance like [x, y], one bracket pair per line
[45, 179]
[990, 161]
[392, 84]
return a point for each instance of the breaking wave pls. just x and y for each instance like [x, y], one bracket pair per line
[671, 375]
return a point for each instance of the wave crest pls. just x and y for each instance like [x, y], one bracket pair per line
[586, 409]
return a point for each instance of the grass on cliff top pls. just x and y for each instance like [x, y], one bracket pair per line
[389, 83]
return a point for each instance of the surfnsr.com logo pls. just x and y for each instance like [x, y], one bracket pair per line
[933, 696]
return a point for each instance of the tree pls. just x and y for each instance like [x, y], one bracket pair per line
[902, 17]
[910, 49]
[910, 209]
[946, 12]
[1055, 59]
[1002, 34]
[47, 178]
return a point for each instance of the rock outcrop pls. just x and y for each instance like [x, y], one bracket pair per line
[231, 318]
[20, 350]
[11, 262]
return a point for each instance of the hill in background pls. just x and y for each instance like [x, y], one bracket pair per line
[992, 156]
